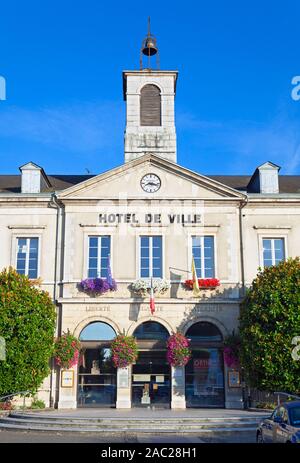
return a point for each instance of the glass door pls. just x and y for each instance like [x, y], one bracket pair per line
[204, 378]
[97, 378]
[151, 380]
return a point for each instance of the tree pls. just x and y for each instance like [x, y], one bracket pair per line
[27, 323]
[269, 320]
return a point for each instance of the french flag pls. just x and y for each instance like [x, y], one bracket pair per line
[152, 302]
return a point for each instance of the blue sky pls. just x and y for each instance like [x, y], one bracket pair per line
[63, 61]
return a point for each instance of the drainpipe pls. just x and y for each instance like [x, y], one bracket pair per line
[55, 204]
[241, 206]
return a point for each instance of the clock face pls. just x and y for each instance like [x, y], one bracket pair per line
[150, 183]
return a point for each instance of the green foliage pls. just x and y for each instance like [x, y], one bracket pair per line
[27, 323]
[266, 405]
[37, 404]
[270, 318]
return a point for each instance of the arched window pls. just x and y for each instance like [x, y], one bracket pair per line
[97, 331]
[151, 331]
[150, 106]
[204, 332]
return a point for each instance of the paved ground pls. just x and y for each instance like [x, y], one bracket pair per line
[31, 437]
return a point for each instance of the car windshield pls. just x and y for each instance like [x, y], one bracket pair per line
[295, 416]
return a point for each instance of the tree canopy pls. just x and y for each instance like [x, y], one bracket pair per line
[269, 320]
[27, 323]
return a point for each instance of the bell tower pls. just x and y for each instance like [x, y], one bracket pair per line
[149, 94]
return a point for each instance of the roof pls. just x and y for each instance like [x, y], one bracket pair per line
[12, 183]
[287, 183]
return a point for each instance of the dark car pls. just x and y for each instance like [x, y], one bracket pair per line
[283, 426]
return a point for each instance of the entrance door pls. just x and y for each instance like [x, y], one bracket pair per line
[97, 378]
[151, 380]
[204, 379]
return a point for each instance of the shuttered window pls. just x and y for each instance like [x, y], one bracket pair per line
[150, 109]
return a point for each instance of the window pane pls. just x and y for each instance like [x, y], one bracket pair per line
[267, 255]
[22, 241]
[267, 244]
[93, 252]
[145, 263]
[93, 262]
[93, 242]
[144, 241]
[144, 273]
[209, 270]
[157, 241]
[157, 273]
[157, 257]
[33, 245]
[32, 273]
[196, 241]
[198, 267]
[144, 252]
[21, 266]
[157, 252]
[268, 263]
[92, 273]
[196, 252]
[279, 250]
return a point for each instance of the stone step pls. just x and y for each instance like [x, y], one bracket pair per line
[27, 421]
[135, 420]
[131, 424]
[120, 430]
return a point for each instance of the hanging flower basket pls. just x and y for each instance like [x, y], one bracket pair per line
[66, 350]
[178, 351]
[124, 351]
[204, 283]
[97, 286]
[231, 351]
[141, 287]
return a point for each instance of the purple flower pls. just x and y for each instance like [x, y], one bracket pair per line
[97, 285]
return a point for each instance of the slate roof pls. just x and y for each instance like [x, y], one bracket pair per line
[12, 183]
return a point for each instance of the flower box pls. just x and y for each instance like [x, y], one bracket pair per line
[204, 283]
[97, 286]
[142, 286]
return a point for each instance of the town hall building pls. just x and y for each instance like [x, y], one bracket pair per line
[145, 220]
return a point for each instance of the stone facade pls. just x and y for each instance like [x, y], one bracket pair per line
[139, 139]
[186, 204]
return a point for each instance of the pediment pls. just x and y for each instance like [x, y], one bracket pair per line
[125, 181]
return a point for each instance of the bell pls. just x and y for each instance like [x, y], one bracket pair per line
[149, 48]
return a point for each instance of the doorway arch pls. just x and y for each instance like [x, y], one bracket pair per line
[204, 373]
[96, 373]
[151, 378]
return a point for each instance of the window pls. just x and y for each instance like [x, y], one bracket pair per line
[203, 252]
[151, 330]
[150, 106]
[151, 257]
[273, 251]
[27, 256]
[99, 251]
